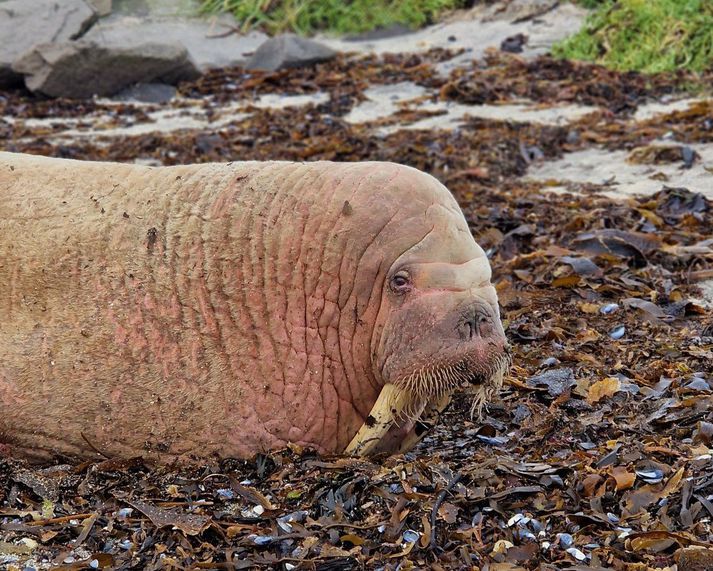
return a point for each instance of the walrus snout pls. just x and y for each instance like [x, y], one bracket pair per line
[478, 321]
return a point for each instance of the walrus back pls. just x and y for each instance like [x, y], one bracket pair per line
[103, 298]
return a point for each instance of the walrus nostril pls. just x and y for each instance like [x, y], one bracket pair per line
[467, 329]
[473, 328]
[474, 324]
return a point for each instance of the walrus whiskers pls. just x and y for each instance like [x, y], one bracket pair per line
[421, 397]
[486, 391]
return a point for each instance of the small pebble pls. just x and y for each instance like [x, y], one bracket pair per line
[625, 532]
[284, 526]
[618, 332]
[411, 536]
[609, 308]
[653, 476]
[515, 519]
[688, 156]
[261, 539]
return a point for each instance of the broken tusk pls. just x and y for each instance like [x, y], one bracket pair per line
[427, 420]
[386, 410]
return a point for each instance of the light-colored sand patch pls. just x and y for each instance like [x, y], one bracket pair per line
[162, 121]
[277, 101]
[651, 110]
[191, 117]
[514, 112]
[599, 166]
[481, 29]
[383, 101]
[707, 293]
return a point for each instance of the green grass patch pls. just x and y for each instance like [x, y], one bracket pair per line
[645, 35]
[338, 16]
[591, 4]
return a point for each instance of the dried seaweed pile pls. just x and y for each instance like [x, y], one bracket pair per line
[599, 454]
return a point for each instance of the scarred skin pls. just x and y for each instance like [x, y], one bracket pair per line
[218, 310]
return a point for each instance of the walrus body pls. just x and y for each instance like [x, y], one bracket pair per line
[227, 309]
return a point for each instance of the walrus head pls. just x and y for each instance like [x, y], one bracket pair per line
[438, 326]
[443, 326]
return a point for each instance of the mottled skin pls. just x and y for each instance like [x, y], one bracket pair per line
[223, 309]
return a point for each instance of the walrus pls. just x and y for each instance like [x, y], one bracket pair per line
[222, 310]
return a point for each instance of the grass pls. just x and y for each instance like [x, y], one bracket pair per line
[642, 35]
[591, 4]
[338, 16]
[645, 35]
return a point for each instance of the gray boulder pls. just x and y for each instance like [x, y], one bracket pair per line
[147, 93]
[26, 23]
[103, 7]
[205, 40]
[287, 51]
[82, 69]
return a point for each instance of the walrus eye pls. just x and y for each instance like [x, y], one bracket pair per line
[401, 282]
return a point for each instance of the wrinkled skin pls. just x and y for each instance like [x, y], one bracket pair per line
[186, 312]
[446, 291]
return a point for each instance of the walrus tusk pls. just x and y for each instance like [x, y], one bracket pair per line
[428, 419]
[383, 415]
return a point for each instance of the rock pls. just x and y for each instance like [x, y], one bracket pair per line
[287, 51]
[513, 44]
[147, 93]
[556, 381]
[392, 31]
[24, 24]
[83, 69]
[103, 7]
[208, 42]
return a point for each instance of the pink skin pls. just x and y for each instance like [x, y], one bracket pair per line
[452, 275]
[222, 310]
